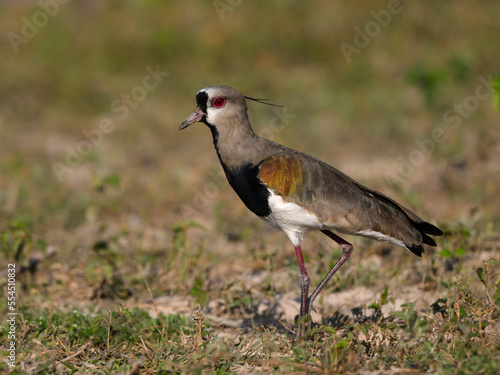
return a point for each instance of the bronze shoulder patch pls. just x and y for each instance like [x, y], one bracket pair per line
[283, 174]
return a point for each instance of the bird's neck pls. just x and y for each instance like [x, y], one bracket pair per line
[237, 146]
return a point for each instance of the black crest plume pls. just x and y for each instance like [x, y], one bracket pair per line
[263, 101]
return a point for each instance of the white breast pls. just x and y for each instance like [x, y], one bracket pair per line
[294, 220]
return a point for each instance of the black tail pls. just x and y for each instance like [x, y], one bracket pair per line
[424, 228]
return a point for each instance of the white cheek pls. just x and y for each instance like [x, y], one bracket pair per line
[212, 115]
[215, 115]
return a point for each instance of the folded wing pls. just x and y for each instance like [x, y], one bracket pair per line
[342, 204]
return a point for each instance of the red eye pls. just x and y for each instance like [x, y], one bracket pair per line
[219, 102]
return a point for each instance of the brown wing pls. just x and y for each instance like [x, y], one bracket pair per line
[340, 202]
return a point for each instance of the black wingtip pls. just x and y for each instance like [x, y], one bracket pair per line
[427, 228]
[428, 240]
[418, 250]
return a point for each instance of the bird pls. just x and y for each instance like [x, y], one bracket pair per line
[297, 193]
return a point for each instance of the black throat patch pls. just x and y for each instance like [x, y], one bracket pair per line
[245, 182]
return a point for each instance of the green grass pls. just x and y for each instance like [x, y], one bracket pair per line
[458, 331]
[453, 337]
[143, 259]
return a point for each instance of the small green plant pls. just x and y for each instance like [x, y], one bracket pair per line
[198, 291]
[383, 300]
[180, 229]
[486, 274]
[456, 253]
[14, 240]
[102, 183]
[414, 325]
[496, 96]
[427, 79]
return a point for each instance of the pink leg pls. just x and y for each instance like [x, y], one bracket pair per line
[346, 253]
[304, 282]
[305, 302]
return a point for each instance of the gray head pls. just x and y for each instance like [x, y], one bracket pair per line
[219, 107]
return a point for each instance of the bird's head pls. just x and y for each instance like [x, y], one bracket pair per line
[218, 106]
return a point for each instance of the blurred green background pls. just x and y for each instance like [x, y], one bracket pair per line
[361, 116]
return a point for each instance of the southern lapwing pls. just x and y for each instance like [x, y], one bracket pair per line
[297, 193]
